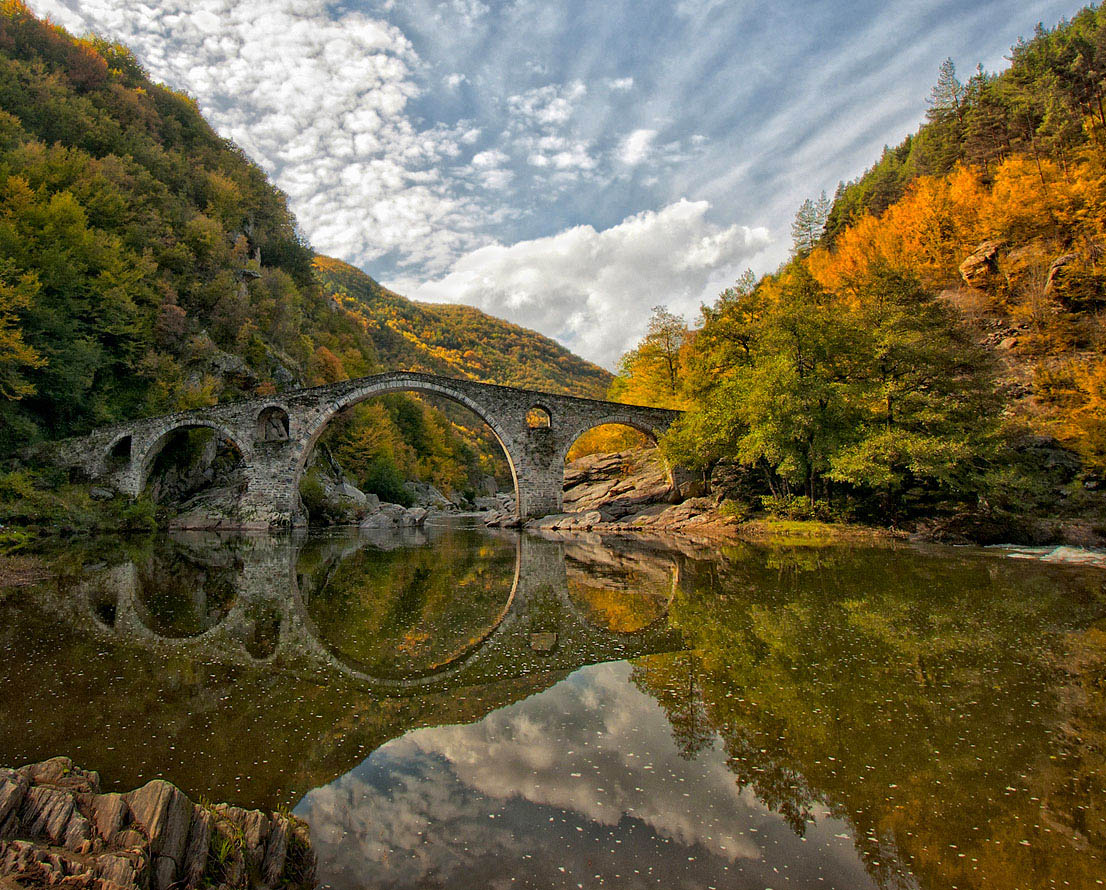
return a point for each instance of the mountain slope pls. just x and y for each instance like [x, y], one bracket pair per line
[457, 341]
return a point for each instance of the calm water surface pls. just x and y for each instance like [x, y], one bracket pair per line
[462, 709]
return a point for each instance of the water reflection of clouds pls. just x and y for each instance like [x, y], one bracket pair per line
[579, 784]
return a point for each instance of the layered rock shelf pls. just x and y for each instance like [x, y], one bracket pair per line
[58, 829]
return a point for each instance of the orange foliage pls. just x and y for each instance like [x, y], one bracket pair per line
[327, 367]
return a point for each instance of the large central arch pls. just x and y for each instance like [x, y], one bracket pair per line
[315, 428]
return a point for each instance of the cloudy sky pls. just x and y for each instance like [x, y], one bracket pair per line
[565, 165]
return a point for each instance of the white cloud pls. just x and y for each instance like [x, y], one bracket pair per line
[491, 158]
[622, 84]
[636, 147]
[321, 100]
[593, 289]
[550, 105]
[579, 785]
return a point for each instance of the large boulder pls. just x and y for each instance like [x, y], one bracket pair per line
[425, 495]
[981, 265]
[352, 493]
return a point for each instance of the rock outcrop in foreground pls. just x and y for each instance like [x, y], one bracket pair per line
[58, 829]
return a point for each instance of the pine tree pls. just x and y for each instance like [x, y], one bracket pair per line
[946, 99]
[809, 225]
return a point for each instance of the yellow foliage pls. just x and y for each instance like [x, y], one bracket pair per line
[605, 439]
[1088, 421]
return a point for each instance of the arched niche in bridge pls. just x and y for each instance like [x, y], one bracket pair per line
[591, 454]
[272, 425]
[369, 418]
[188, 458]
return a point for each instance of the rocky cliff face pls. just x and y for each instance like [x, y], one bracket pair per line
[58, 828]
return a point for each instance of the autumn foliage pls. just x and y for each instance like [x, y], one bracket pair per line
[945, 316]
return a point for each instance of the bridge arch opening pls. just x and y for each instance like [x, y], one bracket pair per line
[408, 442]
[119, 454]
[538, 418]
[187, 460]
[616, 466]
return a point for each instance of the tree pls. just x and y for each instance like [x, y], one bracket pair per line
[651, 373]
[16, 356]
[791, 399]
[924, 392]
[809, 225]
[946, 99]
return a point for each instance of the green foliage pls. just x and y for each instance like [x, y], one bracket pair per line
[37, 503]
[384, 479]
[877, 387]
[313, 496]
[922, 387]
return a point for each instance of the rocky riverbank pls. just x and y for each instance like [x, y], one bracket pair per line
[629, 493]
[58, 829]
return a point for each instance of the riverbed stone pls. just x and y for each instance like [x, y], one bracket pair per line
[276, 851]
[55, 834]
[13, 787]
[196, 851]
[109, 811]
[352, 493]
[165, 814]
[45, 813]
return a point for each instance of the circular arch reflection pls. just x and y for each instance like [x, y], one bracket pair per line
[398, 616]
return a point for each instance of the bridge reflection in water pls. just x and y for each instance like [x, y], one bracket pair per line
[385, 612]
[256, 667]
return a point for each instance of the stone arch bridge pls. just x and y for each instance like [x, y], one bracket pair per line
[276, 435]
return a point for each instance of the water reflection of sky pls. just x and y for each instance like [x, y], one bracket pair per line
[579, 786]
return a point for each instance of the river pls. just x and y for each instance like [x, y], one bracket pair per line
[460, 708]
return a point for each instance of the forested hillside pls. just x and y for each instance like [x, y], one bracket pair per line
[457, 341]
[147, 265]
[938, 339]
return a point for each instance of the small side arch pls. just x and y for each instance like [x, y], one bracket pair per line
[539, 417]
[650, 431]
[119, 453]
[146, 464]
